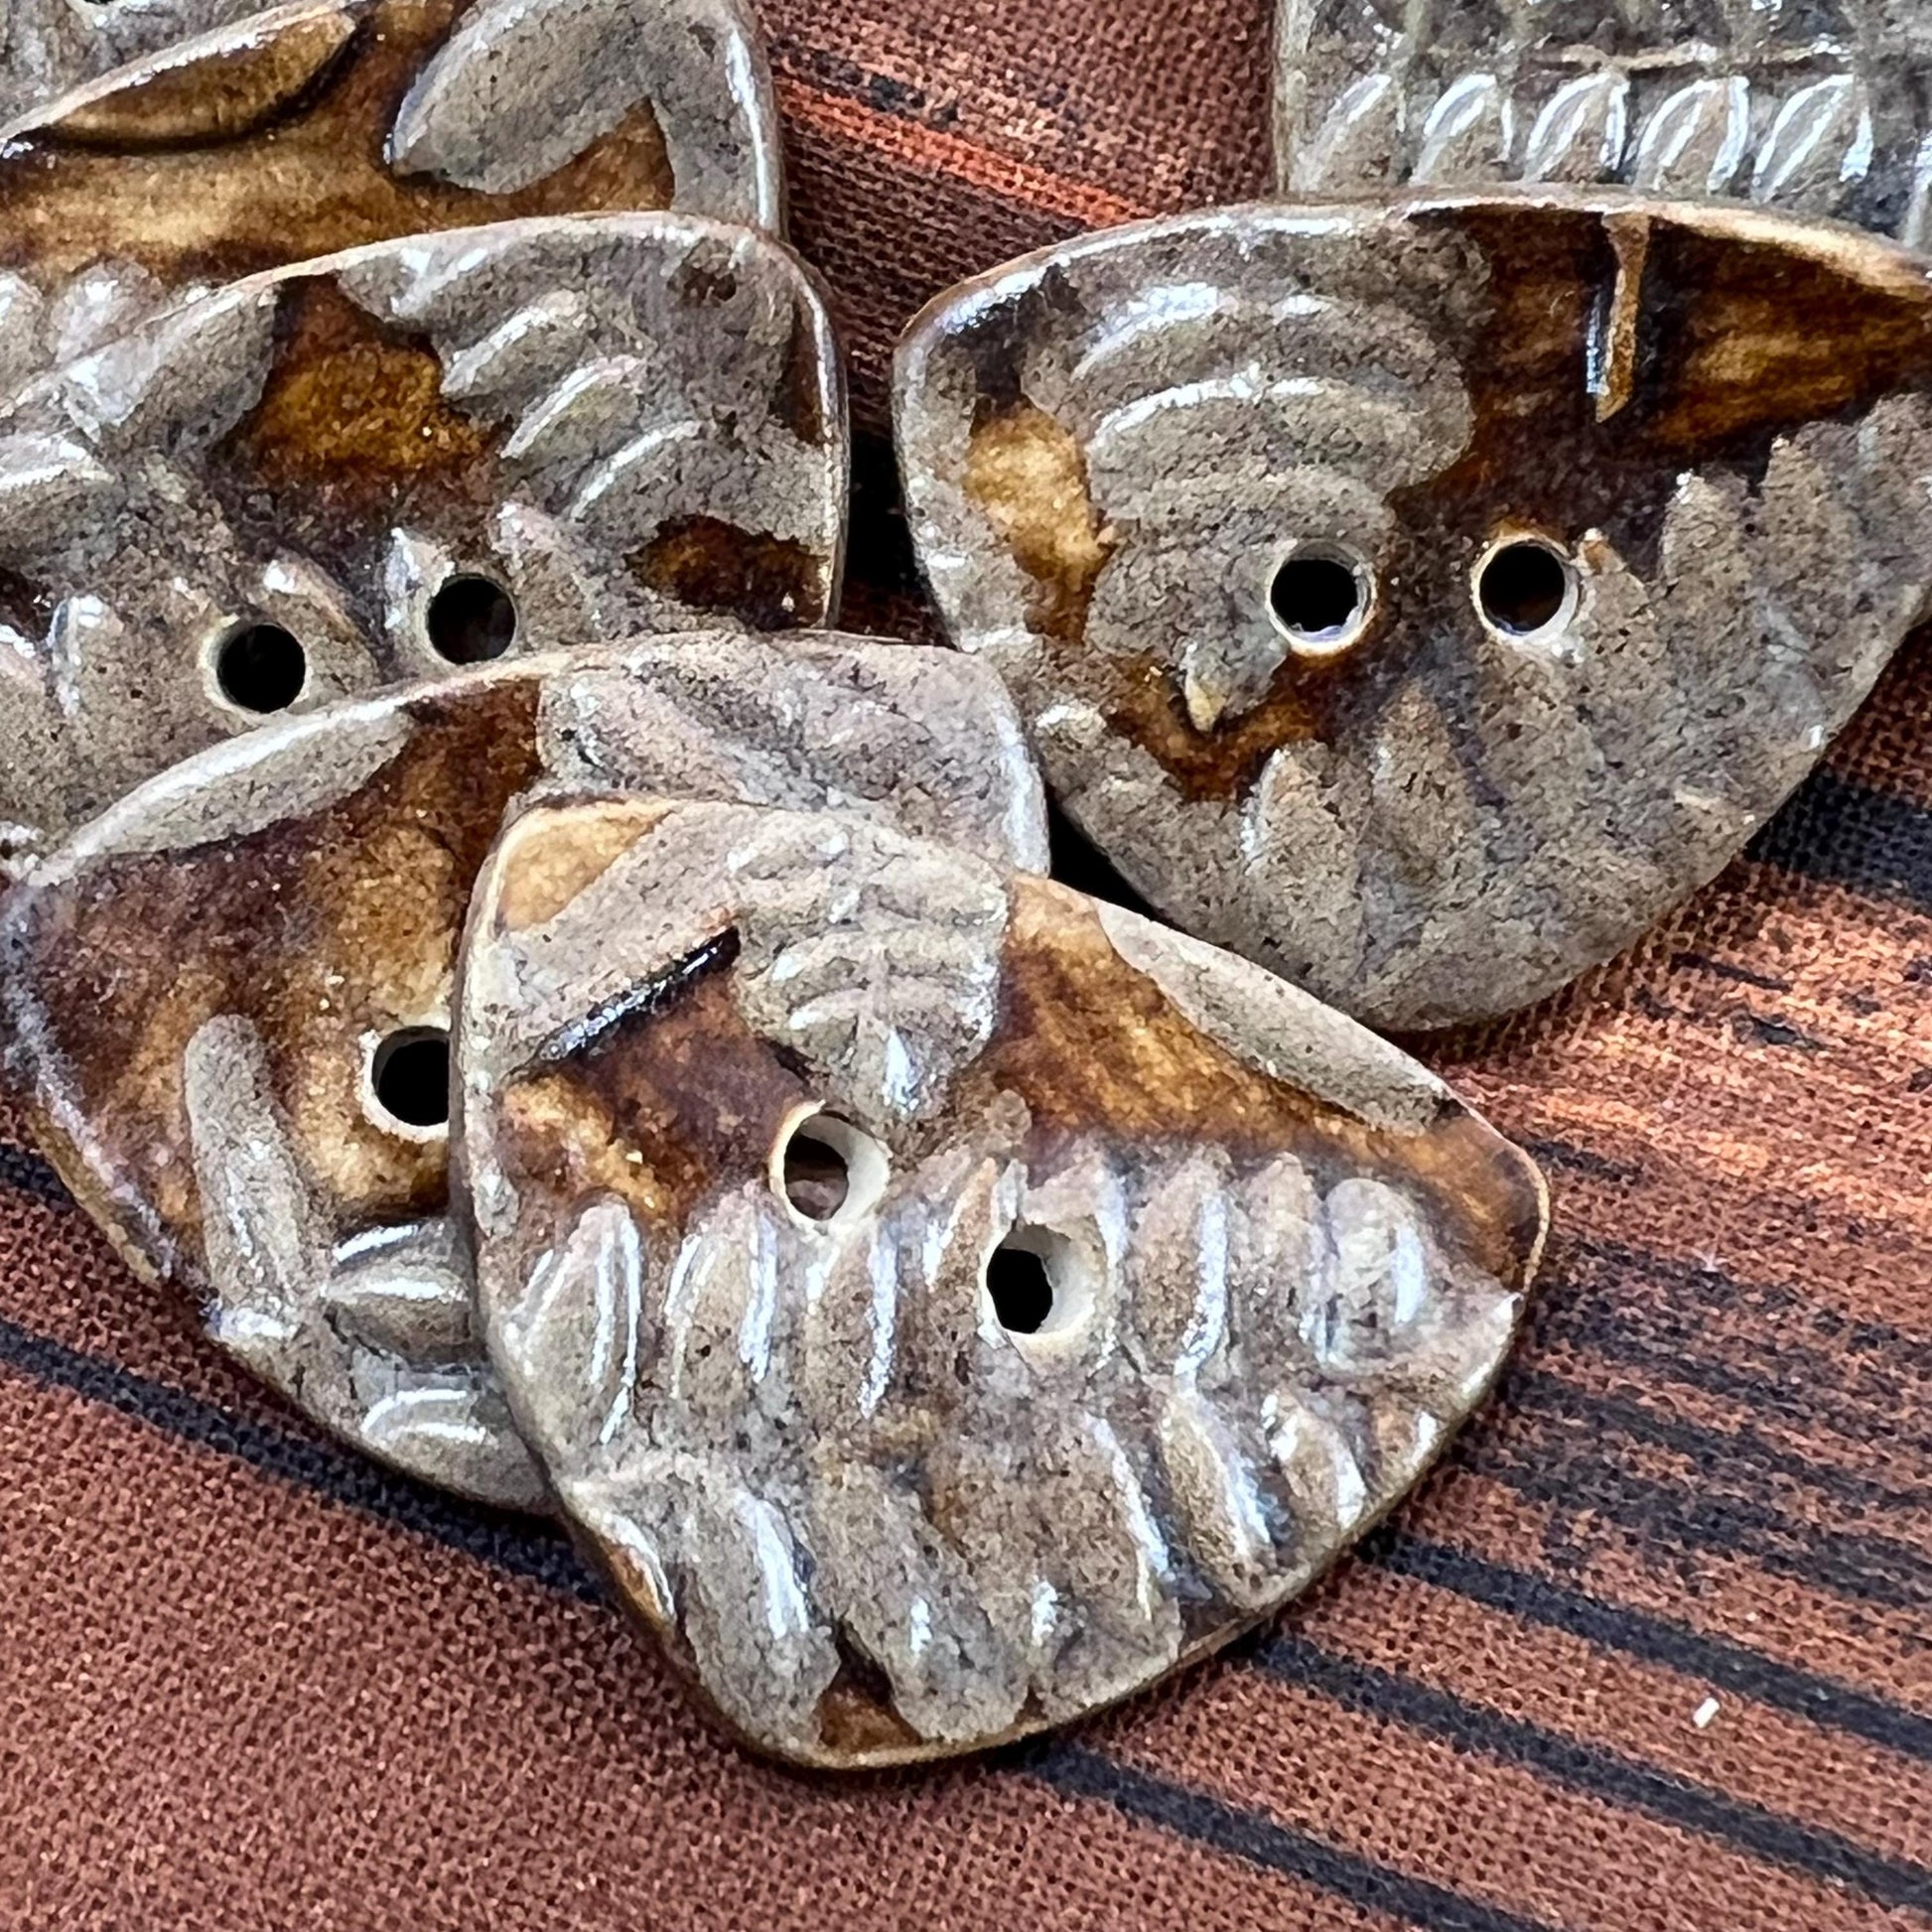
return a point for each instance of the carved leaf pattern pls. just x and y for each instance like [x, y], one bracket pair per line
[178, 384]
[1303, 826]
[407, 1289]
[49, 483]
[818, 726]
[1223, 1452]
[1820, 113]
[221, 85]
[1515, 796]
[1359, 143]
[1467, 136]
[575, 1338]
[834, 1446]
[587, 343]
[518, 91]
[1580, 132]
[52, 48]
[325, 1328]
[696, 65]
[1821, 142]
[1694, 141]
[94, 306]
[372, 1335]
[874, 959]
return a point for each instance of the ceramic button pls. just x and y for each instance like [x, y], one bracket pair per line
[398, 462]
[232, 993]
[1424, 598]
[946, 1303]
[1814, 112]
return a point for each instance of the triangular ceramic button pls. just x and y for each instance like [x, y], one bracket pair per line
[1425, 598]
[945, 1303]
[231, 993]
[413, 456]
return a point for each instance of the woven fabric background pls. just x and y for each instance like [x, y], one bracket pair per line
[248, 1682]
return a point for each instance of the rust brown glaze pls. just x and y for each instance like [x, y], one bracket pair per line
[707, 564]
[341, 449]
[204, 982]
[876, 1508]
[352, 415]
[309, 180]
[1089, 1042]
[229, 93]
[1024, 471]
[294, 133]
[1714, 422]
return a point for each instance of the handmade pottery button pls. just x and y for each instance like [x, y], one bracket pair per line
[1425, 598]
[230, 995]
[1818, 110]
[324, 124]
[946, 1302]
[399, 460]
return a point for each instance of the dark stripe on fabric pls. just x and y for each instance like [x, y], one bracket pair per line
[529, 1550]
[27, 1173]
[1833, 1391]
[1075, 1772]
[522, 1546]
[1735, 1455]
[1817, 1362]
[1723, 969]
[1577, 1468]
[1716, 1661]
[837, 74]
[1581, 1159]
[1844, 833]
[1598, 1772]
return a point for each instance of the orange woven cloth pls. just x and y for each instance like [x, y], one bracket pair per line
[1649, 1650]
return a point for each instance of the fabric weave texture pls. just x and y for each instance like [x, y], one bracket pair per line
[1652, 1649]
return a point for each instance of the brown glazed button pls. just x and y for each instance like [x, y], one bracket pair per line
[1816, 111]
[946, 1303]
[325, 124]
[398, 462]
[1424, 598]
[549, 78]
[231, 993]
[321, 125]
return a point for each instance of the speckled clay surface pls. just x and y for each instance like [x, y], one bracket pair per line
[1816, 106]
[869, 1520]
[1711, 423]
[199, 984]
[629, 423]
[236, 140]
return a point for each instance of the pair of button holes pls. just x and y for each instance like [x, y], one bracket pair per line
[829, 1172]
[1322, 594]
[262, 668]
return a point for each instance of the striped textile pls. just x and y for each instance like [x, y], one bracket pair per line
[248, 1681]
